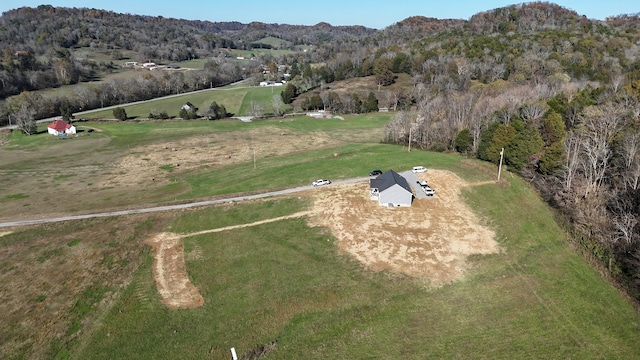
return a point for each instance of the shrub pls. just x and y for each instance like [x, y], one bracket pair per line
[120, 114]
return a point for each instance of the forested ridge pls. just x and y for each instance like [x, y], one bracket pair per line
[559, 92]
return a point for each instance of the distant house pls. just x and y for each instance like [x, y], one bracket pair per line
[60, 127]
[318, 114]
[149, 65]
[272, 83]
[187, 106]
[391, 189]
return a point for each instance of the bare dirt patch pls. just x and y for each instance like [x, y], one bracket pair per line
[430, 240]
[170, 273]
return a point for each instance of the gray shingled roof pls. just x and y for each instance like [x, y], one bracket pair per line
[387, 180]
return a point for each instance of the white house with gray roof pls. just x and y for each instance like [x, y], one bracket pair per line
[391, 189]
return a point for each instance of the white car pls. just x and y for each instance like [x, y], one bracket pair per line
[418, 169]
[428, 190]
[321, 182]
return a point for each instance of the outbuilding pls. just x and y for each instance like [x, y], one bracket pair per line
[391, 189]
[59, 127]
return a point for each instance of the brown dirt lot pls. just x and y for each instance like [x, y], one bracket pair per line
[430, 240]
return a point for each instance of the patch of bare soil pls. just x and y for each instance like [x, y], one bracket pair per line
[170, 273]
[430, 240]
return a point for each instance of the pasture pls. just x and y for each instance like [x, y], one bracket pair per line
[275, 276]
[238, 100]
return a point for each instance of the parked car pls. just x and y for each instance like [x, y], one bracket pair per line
[419, 169]
[428, 190]
[422, 183]
[321, 182]
[375, 172]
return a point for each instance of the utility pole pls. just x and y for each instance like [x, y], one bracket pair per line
[409, 139]
[500, 166]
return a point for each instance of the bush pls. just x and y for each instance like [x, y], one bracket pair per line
[120, 114]
[162, 115]
[188, 114]
[216, 111]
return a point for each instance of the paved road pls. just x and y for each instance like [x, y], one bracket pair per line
[173, 207]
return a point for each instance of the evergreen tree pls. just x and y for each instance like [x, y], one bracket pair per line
[66, 111]
[382, 71]
[357, 103]
[315, 102]
[553, 128]
[551, 159]
[216, 111]
[525, 143]
[502, 137]
[295, 70]
[464, 141]
[307, 73]
[120, 114]
[371, 103]
[485, 140]
[289, 93]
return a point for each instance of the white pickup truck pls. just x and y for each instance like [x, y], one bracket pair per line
[321, 182]
[426, 188]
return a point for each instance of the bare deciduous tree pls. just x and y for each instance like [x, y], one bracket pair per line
[532, 112]
[25, 119]
[624, 225]
[570, 167]
[257, 109]
[277, 105]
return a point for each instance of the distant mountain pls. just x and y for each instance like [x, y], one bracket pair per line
[46, 26]
[428, 25]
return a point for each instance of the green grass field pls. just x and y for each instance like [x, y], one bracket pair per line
[287, 281]
[238, 101]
